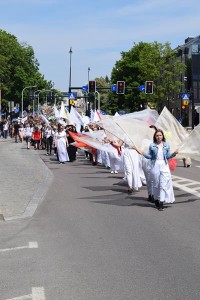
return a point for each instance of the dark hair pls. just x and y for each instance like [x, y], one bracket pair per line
[59, 127]
[153, 126]
[154, 136]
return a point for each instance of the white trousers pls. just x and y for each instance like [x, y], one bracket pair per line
[162, 182]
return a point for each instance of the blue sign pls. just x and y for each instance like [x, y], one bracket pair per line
[122, 112]
[102, 112]
[142, 88]
[185, 96]
[85, 88]
[72, 96]
[113, 88]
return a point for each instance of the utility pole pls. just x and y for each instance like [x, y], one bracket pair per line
[70, 73]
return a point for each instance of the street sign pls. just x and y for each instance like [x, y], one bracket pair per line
[71, 96]
[142, 88]
[71, 102]
[185, 96]
[185, 102]
[85, 88]
[113, 88]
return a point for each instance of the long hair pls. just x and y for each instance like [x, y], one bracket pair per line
[59, 127]
[154, 136]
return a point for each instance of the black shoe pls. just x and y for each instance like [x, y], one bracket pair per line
[161, 206]
[157, 204]
[130, 191]
[151, 199]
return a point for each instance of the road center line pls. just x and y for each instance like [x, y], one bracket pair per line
[38, 293]
[31, 245]
[25, 297]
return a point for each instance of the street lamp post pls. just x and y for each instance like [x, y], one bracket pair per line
[70, 69]
[27, 87]
[88, 75]
[46, 94]
[38, 96]
[98, 97]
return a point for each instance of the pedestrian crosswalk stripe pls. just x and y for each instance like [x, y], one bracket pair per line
[178, 182]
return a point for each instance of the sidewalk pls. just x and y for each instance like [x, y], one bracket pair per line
[24, 180]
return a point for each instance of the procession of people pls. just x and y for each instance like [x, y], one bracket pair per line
[105, 144]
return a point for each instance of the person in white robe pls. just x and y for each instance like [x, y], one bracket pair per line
[133, 170]
[61, 143]
[159, 153]
[116, 157]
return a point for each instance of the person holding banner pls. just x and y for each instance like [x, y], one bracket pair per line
[159, 153]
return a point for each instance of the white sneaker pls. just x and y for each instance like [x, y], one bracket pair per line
[112, 172]
[116, 172]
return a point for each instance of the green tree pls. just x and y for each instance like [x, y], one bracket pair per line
[147, 61]
[18, 69]
[102, 87]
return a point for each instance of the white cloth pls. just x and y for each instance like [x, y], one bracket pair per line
[132, 168]
[5, 126]
[162, 182]
[146, 167]
[49, 132]
[105, 157]
[61, 146]
[116, 160]
[28, 131]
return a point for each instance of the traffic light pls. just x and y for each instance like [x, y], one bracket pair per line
[148, 87]
[120, 89]
[92, 86]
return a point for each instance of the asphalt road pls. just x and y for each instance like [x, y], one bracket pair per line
[90, 240]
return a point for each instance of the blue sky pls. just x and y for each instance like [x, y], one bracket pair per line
[96, 30]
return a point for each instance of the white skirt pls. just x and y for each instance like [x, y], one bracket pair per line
[62, 150]
[132, 169]
[162, 182]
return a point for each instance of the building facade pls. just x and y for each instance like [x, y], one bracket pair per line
[189, 54]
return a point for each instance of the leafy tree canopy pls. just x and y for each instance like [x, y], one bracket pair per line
[147, 61]
[18, 69]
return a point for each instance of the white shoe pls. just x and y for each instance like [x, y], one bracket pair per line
[116, 172]
[112, 172]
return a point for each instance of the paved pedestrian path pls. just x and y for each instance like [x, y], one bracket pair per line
[24, 180]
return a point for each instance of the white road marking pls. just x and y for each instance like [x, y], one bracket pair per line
[37, 294]
[26, 297]
[31, 245]
[177, 183]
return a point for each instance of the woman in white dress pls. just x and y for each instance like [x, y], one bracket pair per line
[116, 157]
[133, 170]
[61, 142]
[159, 153]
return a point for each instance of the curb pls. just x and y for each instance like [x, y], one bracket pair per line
[38, 195]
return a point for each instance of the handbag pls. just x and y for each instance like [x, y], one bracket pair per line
[172, 162]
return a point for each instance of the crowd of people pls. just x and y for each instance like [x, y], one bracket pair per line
[140, 168]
